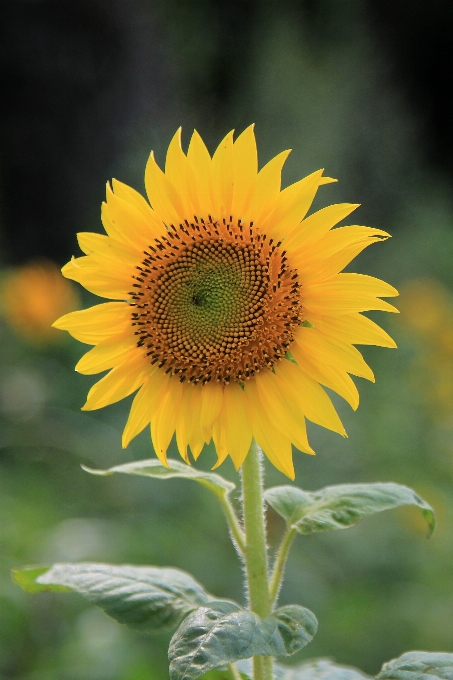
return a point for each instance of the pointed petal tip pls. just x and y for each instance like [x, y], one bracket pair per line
[162, 456]
[185, 455]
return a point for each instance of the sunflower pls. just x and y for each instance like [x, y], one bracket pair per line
[229, 310]
[31, 296]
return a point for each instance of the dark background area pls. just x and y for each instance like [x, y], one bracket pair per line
[361, 88]
[79, 79]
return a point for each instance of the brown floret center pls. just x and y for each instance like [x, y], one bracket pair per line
[215, 301]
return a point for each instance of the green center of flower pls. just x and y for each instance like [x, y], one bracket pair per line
[215, 302]
[209, 300]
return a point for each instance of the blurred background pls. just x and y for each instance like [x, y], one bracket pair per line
[88, 88]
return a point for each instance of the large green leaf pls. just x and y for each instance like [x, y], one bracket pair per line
[151, 599]
[222, 633]
[418, 666]
[154, 468]
[341, 506]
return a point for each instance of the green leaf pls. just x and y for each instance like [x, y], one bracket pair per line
[222, 633]
[341, 506]
[154, 468]
[150, 599]
[318, 669]
[418, 666]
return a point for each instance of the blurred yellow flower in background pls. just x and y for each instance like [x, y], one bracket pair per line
[32, 295]
[427, 312]
[231, 310]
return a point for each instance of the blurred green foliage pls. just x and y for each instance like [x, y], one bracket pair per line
[378, 589]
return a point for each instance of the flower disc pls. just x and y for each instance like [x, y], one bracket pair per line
[229, 312]
[215, 301]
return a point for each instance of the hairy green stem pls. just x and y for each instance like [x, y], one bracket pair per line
[280, 562]
[233, 672]
[255, 555]
[233, 522]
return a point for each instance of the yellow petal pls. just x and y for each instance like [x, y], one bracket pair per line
[185, 421]
[108, 250]
[292, 205]
[96, 323]
[196, 436]
[267, 190]
[129, 194]
[177, 170]
[334, 251]
[112, 229]
[274, 444]
[118, 384]
[201, 163]
[107, 354]
[219, 439]
[309, 396]
[164, 420]
[162, 194]
[198, 154]
[130, 224]
[353, 328]
[87, 272]
[245, 170]
[280, 410]
[317, 225]
[355, 283]
[238, 428]
[211, 404]
[334, 378]
[222, 177]
[330, 351]
[145, 404]
[318, 271]
[346, 293]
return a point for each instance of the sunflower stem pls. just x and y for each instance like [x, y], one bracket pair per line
[280, 562]
[233, 523]
[233, 672]
[256, 565]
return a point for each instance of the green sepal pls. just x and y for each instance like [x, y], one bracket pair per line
[154, 468]
[223, 633]
[419, 666]
[341, 506]
[149, 599]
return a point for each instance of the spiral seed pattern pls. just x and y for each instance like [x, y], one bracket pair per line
[215, 301]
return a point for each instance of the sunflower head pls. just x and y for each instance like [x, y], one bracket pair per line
[229, 310]
[224, 306]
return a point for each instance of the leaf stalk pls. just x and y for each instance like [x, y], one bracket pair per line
[280, 562]
[233, 522]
